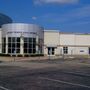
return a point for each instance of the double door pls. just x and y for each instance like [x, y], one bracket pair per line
[51, 50]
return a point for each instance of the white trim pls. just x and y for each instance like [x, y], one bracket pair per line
[64, 82]
[1, 87]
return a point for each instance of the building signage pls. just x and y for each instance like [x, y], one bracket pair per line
[23, 32]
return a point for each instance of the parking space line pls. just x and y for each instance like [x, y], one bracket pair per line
[64, 82]
[3, 88]
[77, 73]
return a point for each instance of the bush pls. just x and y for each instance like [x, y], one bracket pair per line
[5, 55]
[19, 55]
[36, 55]
[13, 55]
[26, 55]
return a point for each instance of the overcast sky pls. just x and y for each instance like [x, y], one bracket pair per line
[63, 15]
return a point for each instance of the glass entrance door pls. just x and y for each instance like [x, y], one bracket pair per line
[51, 50]
[89, 50]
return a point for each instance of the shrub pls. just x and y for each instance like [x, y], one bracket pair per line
[19, 55]
[26, 55]
[36, 55]
[3, 55]
[13, 55]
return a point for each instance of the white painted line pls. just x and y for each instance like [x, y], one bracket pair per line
[77, 73]
[3, 88]
[64, 82]
[84, 64]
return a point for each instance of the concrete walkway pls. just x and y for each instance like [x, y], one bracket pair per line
[27, 58]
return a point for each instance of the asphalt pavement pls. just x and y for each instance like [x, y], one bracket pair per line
[45, 75]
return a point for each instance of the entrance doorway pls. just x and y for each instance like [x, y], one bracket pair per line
[89, 50]
[51, 50]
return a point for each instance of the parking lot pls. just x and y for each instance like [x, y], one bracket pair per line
[57, 74]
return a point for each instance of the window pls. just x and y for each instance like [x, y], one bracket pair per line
[25, 45]
[30, 40]
[9, 39]
[18, 45]
[13, 44]
[53, 51]
[9, 45]
[29, 45]
[48, 50]
[13, 39]
[25, 39]
[65, 50]
[30, 50]
[18, 39]
[34, 40]
[3, 45]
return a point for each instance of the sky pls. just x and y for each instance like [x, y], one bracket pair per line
[63, 15]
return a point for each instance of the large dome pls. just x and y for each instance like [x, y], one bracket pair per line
[4, 19]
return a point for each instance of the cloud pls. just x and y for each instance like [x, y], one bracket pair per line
[34, 18]
[55, 1]
[77, 15]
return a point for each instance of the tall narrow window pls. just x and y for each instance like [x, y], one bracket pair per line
[3, 45]
[65, 50]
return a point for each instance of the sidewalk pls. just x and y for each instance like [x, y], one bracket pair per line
[27, 58]
[45, 58]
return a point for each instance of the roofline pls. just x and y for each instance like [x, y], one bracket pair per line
[51, 30]
[66, 32]
[20, 23]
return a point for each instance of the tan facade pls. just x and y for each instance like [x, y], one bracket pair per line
[51, 39]
[57, 43]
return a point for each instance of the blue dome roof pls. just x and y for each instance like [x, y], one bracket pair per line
[4, 19]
